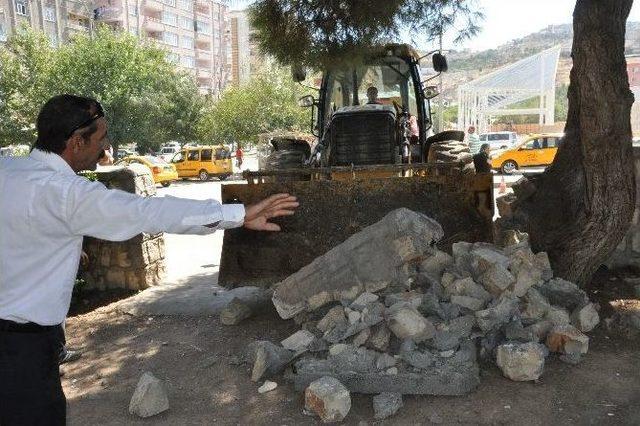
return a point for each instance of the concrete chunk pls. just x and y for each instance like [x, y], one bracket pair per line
[496, 279]
[268, 359]
[564, 293]
[586, 318]
[370, 261]
[521, 361]
[149, 398]
[386, 404]
[331, 319]
[363, 300]
[328, 399]
[299, 341]
[497, 315]
[406, 322]
[566, 339]
[379, 338]
[235, 312]
[470, 303]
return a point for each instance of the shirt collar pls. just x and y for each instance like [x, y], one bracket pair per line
[53, 160]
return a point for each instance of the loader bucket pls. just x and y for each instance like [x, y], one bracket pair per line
[331, 211]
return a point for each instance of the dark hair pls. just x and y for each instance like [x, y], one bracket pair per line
[483, 146]
[60, 117]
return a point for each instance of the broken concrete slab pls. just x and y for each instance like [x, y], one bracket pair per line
[363, 300]
[434, 265]
[499, 313]
[149, 398]
[542, 263]
[268, 359]
[521, 361]
[496, 279]
[567, 339]
[467, 302]
[563, 293]
[328, 398]
[419, 359]
[585, 318]
[362, 337]
[485, 257]
[467, 287]
[407, 323]
[558, 316]
[386, 404]
[370, 260]
[535, 306]
[235, 312]
[331, 319]
[385, 361]
[412, 298]
[379, 338]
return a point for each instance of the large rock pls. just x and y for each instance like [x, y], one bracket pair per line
[268, 359]
[586, 318]
[334, 317]
[379, 338]
[149, 398]
[328, 399]
[521, 361]
[386, 404]
[497, 279]
[467, 287]
[564, 293]
[299, 342]
[235, 312]
[498, 314]
[407, 323]
[566, 339]
[370, 260]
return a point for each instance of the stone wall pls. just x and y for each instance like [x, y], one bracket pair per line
[134, 264]
[628, 252]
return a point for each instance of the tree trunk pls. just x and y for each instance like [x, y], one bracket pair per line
[580, 208]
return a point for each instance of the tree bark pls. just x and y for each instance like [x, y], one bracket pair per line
[580, 208]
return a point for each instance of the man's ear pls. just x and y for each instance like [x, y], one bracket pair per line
[75, 142]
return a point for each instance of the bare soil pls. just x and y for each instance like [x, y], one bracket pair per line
[200, 361]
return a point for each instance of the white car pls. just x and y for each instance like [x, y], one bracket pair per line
[499, 140]
[168, 152]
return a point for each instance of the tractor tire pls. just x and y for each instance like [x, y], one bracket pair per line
[453, 152]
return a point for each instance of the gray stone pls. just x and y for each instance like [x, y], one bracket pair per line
[267, 386]
[558, 316]
[362, 337]
[489, 343]
[470, 303]
[370, 260]
[338, 347]
[586, 318]
[445, 340]
[430, 305]
[328, 399]
[235, 312]
[446, 379]
[563, 293]
[485, 258]
[379, 338]
[299, 341]
[521, 361]
[449, 311]
[461, 257]
[434, 265]
[385, 361]
[526, 272]
[406, 322]
[268, 359]
[422, 360]
[359, 359]
[566, 339]
[149, 398]
[535, 306]
[543, 264]
[386, 404]
[318, 345]
[496, 279]
[331, 319]
[498, 314]
[537, 332]
[336, 334]
[407, 345]
[363, 300]
[467, 287]
[412, 298]
[373, 314]
[354, 317]
[461, 326]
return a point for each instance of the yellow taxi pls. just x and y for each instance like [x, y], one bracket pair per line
[203, 162]
[535, 150]
[163, 172]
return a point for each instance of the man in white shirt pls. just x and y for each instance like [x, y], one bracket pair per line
[474, 140]
[45, 210]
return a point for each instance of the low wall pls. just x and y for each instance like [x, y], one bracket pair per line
[134, 264]
[627, 254]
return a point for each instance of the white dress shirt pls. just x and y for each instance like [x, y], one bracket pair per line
[46, 209]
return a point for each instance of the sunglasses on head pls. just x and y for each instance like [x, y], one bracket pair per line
[96, 115]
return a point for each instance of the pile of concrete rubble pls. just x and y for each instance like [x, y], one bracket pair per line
[388, 313]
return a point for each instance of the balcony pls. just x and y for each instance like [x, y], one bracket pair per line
[78, 26]
[78, 8]
[152, 5]
[151, 24]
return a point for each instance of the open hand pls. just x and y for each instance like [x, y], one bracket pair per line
[257, 215]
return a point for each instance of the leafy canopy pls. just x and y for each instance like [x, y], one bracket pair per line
[321, 33]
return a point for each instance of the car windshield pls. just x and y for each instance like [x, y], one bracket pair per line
[391, 78]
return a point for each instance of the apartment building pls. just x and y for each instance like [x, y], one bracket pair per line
[195, 33]
[58, 19]
[246, 59]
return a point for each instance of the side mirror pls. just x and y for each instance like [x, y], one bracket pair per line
[306, 101]
[431, 92]
[298, 73]
[439, 62]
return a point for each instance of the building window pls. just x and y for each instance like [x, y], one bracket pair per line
[169, 19]
[186, 42]
[133, 10]
[21, 7]
[49, 14]
[170, 38]
[186, 23]
[203, 27]
[187, 61]
[186, 5]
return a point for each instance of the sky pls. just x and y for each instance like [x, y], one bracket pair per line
[506, 20]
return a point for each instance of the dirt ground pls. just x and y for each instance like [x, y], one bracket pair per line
[200, 361]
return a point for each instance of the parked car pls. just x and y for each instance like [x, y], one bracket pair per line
[203, 162]
[536, 150]
[163, 172]
[167, 152]
[499, 140]
[124, 153]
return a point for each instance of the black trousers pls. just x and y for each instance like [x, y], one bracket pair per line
[30, 389]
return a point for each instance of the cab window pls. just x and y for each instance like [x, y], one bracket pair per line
[222, 154]
[206, 155]
[550, 143]
[193, 156]
[532, 144]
